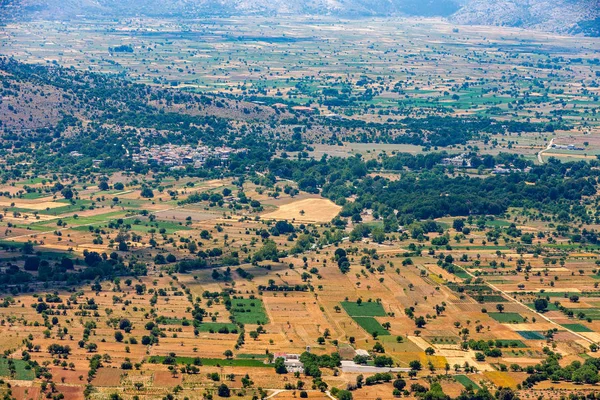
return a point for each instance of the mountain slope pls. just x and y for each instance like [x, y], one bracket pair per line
[562, 16]
[195, 8]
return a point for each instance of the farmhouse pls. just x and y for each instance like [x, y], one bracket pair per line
[567, 147]
[291, 361]
[362, 352]
[460, 160]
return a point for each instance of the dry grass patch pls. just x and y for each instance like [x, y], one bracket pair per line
[309, 210]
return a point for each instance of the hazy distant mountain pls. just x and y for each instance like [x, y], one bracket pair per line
[564, 16]
[347, 8]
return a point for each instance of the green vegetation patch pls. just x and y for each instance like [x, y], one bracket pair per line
[492, 298]
[214, 362]
[507, 318]
[512, 343]
[217, 327]
[466, 382]
[461, 273]
[250, 356]
[368, 309]
[592, 313]
[577, 327]
[371, 325]
[22, 369]
[173, 321]
[531, 335]
[248, 311]
[551, 306]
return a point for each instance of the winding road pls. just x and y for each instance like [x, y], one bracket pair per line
[539, 154]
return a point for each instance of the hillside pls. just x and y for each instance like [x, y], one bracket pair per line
[194, 8]
[562, 16]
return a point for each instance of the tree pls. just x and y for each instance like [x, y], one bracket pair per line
[280, 366]
[435, 392]
[118, 336]
[224, 391]
[344, 395]
[378, 235]
[147, 193]
[67, 193]
[500, 307]
[458, 224]
[32, 263]
[415, 365]
[420, 322]
[399, 384]
[540, 305]
[228, 354]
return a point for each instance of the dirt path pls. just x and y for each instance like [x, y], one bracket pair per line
[539, 154]
[512, 300]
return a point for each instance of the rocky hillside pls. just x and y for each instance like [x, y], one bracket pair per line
[563, 16]
[195, 8]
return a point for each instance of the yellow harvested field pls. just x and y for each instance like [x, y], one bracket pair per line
[315, 210]
[504, 379]
[32, 204]
[595, 336]
[538, 326]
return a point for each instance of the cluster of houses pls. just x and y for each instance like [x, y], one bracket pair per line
[567, 147]
[503, 170]
[461, 161]
[178, 156]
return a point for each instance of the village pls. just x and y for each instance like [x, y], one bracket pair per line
[181, 155]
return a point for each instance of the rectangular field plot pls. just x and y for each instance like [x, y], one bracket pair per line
[466, 382]
[593, 313]
[364, 309]
[551, 307]
[577, 327]
[508, 317]
[249, 311]
[20, 371]
[371, 325]
[217, 327]
[511, 343]
[530, 335]
[214, 362]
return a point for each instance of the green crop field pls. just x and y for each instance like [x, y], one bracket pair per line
[531, 335]
[248, 311]
[371, 325]
[577, 327]
[508, 317]
[466, 382]
[592, 313]
[512, 343]
[216, 326]
[365, 309]
[21, 372]
[213, 362]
